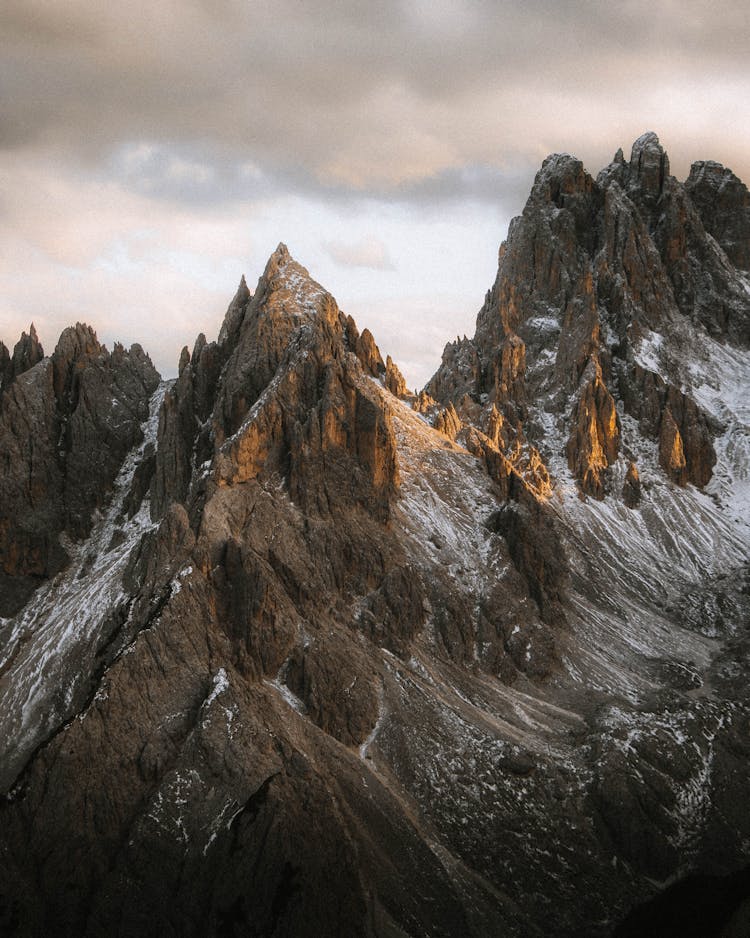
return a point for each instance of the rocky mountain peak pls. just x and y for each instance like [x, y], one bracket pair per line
[287, 650]
[723, 203]
[649, 165]
[282, 392]
[235, 313]
[561, 177]
[66, 423]
[591, 279]
[26, 353]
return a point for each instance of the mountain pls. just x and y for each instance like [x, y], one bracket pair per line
[290, 651]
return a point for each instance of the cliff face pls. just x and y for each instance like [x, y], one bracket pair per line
[308, 655]
[66, 424]
[593, 276]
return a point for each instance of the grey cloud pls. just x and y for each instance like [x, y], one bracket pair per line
[358, 95]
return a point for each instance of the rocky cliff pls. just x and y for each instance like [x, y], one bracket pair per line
[66, 424]
[289, 651]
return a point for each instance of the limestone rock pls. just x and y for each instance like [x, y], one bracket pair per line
[364, 348]
[26, 353]
[423, 403]
[594, 441]
[447, 422]
[631, 488]
[6, 368]
[671, 450]
[459, 373]
[394, 380]
[349, 678]
[67, 423]
[649, 167]
[591, 272]
[723, 203]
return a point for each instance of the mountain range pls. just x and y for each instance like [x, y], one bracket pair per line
[287, 649]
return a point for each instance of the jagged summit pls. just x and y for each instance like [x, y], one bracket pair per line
[594, 277]
[26, 353]
[291, 651]
[723, 203]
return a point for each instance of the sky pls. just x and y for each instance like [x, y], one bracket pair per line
[153, 153]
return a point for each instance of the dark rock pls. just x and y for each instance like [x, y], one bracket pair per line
[631, 488]
[723, 203]
[67, 424]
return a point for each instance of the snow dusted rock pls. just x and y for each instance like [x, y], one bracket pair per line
[593, 276]
[66, 424]
[631, 488]
[321, 669]
[723, 203]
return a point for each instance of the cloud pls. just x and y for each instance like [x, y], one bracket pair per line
[368, 252]
[369, 96]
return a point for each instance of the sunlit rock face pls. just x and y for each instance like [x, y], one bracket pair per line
[593, 277]
[289, 650]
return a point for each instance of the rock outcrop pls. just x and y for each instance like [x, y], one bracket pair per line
[66, 424]
[592, 277]
[723, 203]
[26, 353]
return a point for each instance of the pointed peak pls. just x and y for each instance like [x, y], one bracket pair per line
[27, 352]
[79, 341]
[646, 149]
[280, 257]
[243, 293]
[649, 164]
[279, 261]
[560, 175]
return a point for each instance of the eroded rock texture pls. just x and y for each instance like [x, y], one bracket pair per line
[592, 277]
[322, 657]
[66, 424]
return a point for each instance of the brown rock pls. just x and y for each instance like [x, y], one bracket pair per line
[458, 374]
[595, 436]
[448, 422]
[671, 452]
[423, 403]
[26, 353]
[6, 369]
[499, 469]
[394, 380]
[529, 528]
[631, 489]
[66, 425]
[510, 370]
[364, 348]
[723, 203]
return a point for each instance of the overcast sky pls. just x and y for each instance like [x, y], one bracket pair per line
[153, 152]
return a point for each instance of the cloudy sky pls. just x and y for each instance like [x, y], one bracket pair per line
[153, 152]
